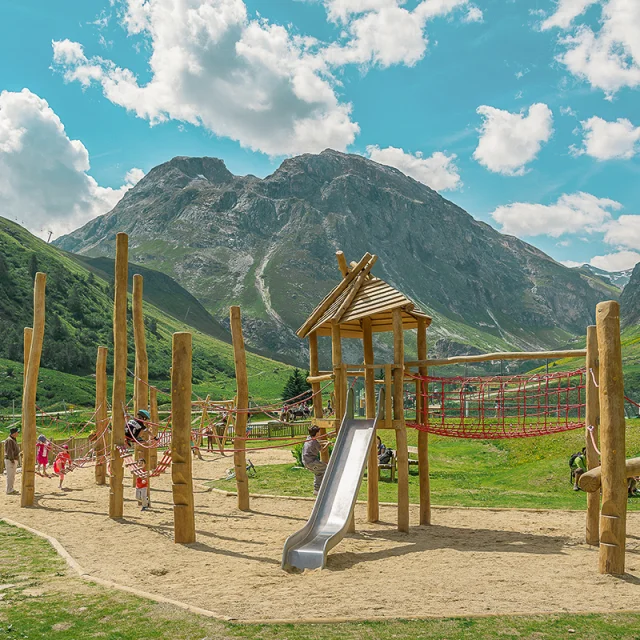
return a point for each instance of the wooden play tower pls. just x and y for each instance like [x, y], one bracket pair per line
[359, 306]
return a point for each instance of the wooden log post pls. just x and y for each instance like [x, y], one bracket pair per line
[141, 380]
[242, 385]
[398, 414]
[119, 393]
[422, 405]
[592, 422]
[340, 379]
[613, 520]
[318, 410]
[155, 421]
[29, 394]
[184, 524]
[592, 479]
[26, 349]
[102, 417]
[373, 496]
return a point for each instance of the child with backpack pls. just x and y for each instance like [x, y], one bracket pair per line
[578, 466]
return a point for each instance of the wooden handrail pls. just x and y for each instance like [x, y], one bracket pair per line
[501, 355]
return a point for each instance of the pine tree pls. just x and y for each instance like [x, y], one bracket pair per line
[295, 386]
[33, 265]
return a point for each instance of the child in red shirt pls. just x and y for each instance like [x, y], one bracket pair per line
[42, 454]
[142, 486]
[62, 463]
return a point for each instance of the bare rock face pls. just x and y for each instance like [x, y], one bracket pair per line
[269, 244]
[630, 299]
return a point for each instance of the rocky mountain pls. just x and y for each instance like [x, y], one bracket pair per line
[630, 300]
[269, 245]
[618, 279]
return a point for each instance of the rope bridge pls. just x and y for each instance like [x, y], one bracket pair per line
[498, 407]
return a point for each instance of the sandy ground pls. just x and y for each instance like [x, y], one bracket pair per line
[468, 562]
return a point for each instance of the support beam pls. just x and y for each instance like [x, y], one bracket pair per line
[398, 414]
[26, 349]
[592, 419]
[184, 524]
[592, 479]
[342, 264]
[613, 520]
[119, 393]
[29, 394]
[373, 495]
[155, 420]
[340, 379]
[102, 416]
[318, 410]
[423, 436]
[239, 455]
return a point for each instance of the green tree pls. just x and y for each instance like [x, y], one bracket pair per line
[33, 265]
[295, 386]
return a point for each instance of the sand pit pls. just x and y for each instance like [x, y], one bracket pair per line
[469, 562]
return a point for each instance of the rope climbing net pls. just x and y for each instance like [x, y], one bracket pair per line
[498, 407]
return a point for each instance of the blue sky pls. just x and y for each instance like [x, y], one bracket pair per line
[532, 109]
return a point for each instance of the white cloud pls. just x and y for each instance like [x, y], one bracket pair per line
[566, 12]
[508, 141]
[608, 58]
[342, 10]
[624, 232]
[474, 15]
[568, 111]
[210, 65]
[572, 213]
[605, 140]
[572, 264]
[438, 171]
[619, 261]
[44, 182]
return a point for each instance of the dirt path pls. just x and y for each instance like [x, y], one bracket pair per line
[468, 562]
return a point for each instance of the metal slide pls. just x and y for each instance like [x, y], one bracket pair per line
[308, 548]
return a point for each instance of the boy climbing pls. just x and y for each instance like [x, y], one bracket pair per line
[578, 466]
[311, 457]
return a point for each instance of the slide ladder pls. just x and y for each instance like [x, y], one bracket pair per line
[308, 548]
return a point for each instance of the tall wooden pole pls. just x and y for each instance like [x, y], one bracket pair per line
[184, 524]
[339, 381]
[102, 418]
[592, 421]
[155, 420]
[314, 369]
[29, 394]
[239, 455]
[119, 394]
[422, 405]
[373, 500]
[613, 520]
[398, 414]
[141, 380]
[28, 335]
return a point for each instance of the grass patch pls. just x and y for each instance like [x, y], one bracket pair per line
[40, 599]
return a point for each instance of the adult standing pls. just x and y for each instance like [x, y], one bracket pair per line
[11, 457]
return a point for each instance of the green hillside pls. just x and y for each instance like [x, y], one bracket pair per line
[79, 307]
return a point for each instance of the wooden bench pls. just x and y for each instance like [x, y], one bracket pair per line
[392, 465]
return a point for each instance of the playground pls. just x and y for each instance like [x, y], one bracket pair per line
[237, 555]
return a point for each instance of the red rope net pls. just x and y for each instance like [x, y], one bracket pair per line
[497, 407]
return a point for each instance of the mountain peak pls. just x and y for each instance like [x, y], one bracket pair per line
[212, 169]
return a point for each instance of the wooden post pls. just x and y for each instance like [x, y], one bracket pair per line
[28, 335]
[398, 414]
[592, 419]
[119, 394]
[155, 420]
[102, 418]
[314, 369]
[373, 500]
[29, 394]
[141, 380]
[342, 264]
[340, 381]
[423, 436]
[184, 524]
[613, 520]
[239, 456]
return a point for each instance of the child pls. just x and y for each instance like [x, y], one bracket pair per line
[142, 486]
[42, 454]
[311, 457]
[62, 463]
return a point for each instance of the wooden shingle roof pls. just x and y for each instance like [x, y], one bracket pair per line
[359, 295]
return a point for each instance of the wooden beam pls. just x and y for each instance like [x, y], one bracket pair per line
[373, 498]
[242, 385]
[355, 287]
[29, 394]
[26, 349]
[591, 481]
[613, 520]
[155, 420]
[501, 355]
[342, 263]
[592, 419]
[331, 297]
[184, 524]
[318, 409]
[340, 380]
[102, 416]
[119, 392]
[398, 414]
[423, 436]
